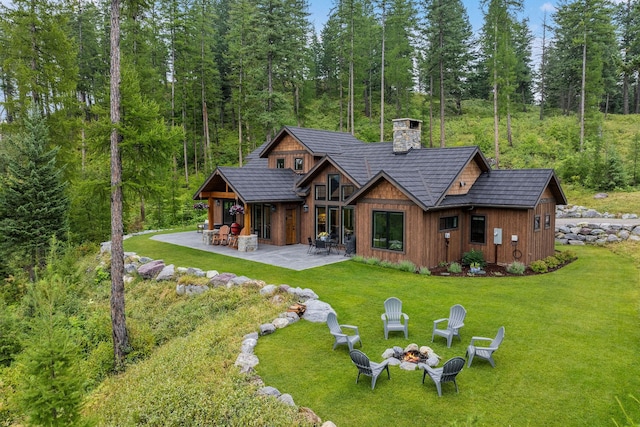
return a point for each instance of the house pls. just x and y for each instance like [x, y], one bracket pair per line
[398, 200]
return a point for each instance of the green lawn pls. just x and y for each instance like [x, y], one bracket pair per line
[571, 347]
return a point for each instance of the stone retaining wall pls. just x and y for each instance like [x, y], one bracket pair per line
[593, 227]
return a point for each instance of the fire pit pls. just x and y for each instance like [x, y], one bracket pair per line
[414, 356]
[409, 357]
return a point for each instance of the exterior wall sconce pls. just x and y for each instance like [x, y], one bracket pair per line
[217, 202]
[273, 208]
[305, 208]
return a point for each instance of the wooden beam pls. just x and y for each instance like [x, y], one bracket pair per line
[218, 194]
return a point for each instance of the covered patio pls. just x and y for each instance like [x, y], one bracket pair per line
[293, 257]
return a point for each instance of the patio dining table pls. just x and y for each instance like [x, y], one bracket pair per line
[326, 246]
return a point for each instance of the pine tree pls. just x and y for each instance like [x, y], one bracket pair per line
[33, 197]
[448, 40]
[50, 390]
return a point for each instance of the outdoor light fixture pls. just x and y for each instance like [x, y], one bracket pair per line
[217, 202]
[273, 208]
[305, 207]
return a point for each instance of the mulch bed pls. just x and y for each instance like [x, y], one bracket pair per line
[491, 270]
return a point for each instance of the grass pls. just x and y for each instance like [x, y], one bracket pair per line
[618, 202]
[572, 338]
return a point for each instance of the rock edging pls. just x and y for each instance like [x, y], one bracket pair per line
[316, 311]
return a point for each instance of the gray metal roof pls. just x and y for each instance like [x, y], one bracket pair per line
[258, 185]
[318, 142]
[424, 175]
[518, 188]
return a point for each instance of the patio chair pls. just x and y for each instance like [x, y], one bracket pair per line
[485, 353]
[367, 367]
[455, 321]
[233, 239]
[446, 374]
[222, 236]
[312, 246]
[339, 335]
[393, 318]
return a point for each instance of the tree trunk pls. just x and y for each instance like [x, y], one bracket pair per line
[118, 321]
[441, 70]
[430, 110]
[382, 77]
[583, 89]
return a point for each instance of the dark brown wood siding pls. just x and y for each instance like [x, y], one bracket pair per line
[289, 149]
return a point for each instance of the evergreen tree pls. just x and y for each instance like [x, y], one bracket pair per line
[448, 40]
[33, 197]
[50, 390]
[500, 59]
[39, 58]
[401, 25]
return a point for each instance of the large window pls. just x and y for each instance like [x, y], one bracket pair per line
[298, 164]
[388, 230]
[334, 187]
[478, 229]
[334, 222]
[347, 191]
[321, 192]
[280, 163]
[348, 221]
[321, 220]
[261, 221]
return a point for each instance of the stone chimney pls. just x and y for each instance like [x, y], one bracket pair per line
[406, 135]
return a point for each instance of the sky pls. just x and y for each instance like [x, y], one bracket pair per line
[533, 9]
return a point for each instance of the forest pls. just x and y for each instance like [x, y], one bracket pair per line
[203, 84]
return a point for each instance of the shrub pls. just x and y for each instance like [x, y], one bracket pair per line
[407, 266]
[358, 258]
[539, 266]
[473, 256]
[516, 267]
[443, 264]
[566, 256]
[424, 271]
[372, 261]
[387, 264]
[454, 267]
[552, 262]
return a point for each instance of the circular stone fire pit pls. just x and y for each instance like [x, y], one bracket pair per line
[409, 357]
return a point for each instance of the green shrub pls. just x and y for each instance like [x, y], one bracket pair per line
[552, 262]
[566, 256]
[443, 264]
[388, 264]
[358, 258]
[99, 363]
[424, 271]
[473, 256]
[407, 266]
[454, 267]
[516, 267]
[372, 261]
[539, 266]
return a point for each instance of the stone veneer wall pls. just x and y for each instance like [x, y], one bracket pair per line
[405, 137]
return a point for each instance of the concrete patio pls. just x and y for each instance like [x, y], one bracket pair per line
[293, 257]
